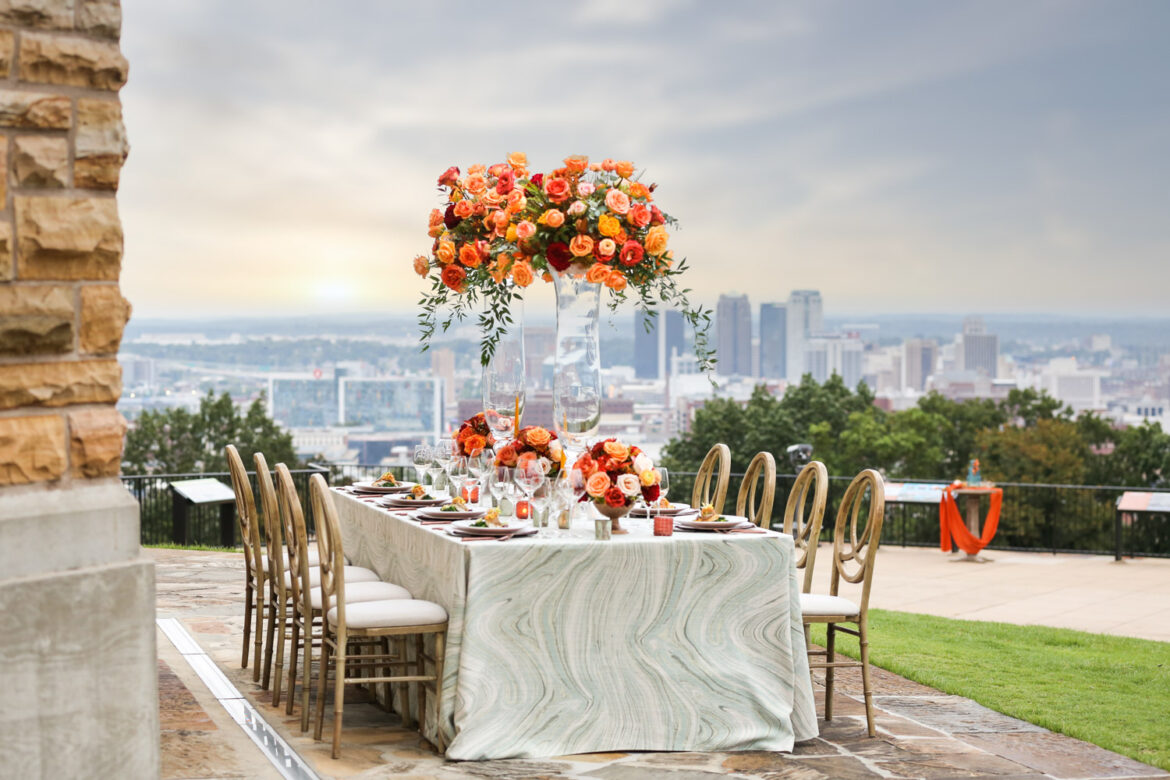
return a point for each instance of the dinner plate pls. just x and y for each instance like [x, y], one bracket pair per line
[438, 514]
[369, 487]
[672, 511]
[710, 525]
[466, 527]
[405, 503]
[522, 530]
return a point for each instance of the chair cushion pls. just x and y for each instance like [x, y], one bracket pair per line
[358, 592]
[818, 604]
[313, 560]
[390, 614]
[352, 574]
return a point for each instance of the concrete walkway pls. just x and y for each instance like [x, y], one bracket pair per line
[1085, 592]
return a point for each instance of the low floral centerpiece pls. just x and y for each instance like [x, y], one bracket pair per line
[503, 227]
[475, 436]
[616, 476]
[533, 444]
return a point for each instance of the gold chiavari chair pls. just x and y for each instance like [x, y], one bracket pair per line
[254, 590]
[853, 561]
[806, 531]
[719, 456]
[762, 469]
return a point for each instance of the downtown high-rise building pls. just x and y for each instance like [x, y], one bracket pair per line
[980, 348]
[773, 341]
[733, 332]
[805, 320]
[653, 348]
[829, 354]
[920, 360]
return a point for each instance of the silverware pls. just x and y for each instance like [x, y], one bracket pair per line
[504, 538]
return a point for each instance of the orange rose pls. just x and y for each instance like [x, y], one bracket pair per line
[586, 465]
[639, 215]
[538, 437]
[421, 266]
[581, 245]
[525, 230]
[453, 276]
[608, 165]
[476, 184]
[624, 168]
[656, 239]
[469, 255]
[506, 456]
[639, 190]
[577, 163]
[516, 200]
[597, 273]
[474, 444]
[510, 235]
[446, 252]
[597, 484]
[474, 169]
[493, 198]
[553, 218]
[617, 201]
[557, 189]
[499, 219]
[522, 274]
[616, 281]
[464, 209]
[518, 159]
[608, 225]
[617, 450]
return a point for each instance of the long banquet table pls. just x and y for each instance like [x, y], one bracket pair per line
[567, 645]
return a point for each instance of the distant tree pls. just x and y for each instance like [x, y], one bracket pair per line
[176, 441]
[1051, 451]
[1026, 407]
[962, 422]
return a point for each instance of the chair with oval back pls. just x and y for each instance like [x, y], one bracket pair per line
[718, 456]
[853, 562]
[761, 469]
[254, 593]
[369, 621]
[806, 532]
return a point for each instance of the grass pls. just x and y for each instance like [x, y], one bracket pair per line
[195, 547]
[1111, 691]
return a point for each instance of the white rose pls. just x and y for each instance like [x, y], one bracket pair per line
[554, 449]
[643, 463]
[629, 484]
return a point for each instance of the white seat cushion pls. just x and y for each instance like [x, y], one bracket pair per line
[357, 592]
[817, 604]
[312, 557]
[352, 574]
[390, 614]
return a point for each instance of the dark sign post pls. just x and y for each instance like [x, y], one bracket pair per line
[201, 492]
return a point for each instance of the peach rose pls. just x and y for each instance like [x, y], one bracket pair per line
[597, 273]
[581, 245]
[476, 169]
[584, 189]
[597, 484]
[518, 159]
[525, 230]
[617, 201]
[469, 255]
[608, 165]
[639, 215]
[656, 239]
[608, 225]
[464, 209]
[522, 274]
[436, 218]
[421, 266]
[446, 252]
[629, 485]
[553, 218]
[616, 281]
[476, 184]
[499, 219]
[624, 168]
[516, 200]
[577, 163]
[493, 198]
[606, 247]
[616, 450]
[538, 437]
[576, 208]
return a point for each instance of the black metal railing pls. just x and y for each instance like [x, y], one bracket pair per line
[1034, 517]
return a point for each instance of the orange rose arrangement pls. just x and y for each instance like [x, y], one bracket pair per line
[474, 436]
[533, 444]
[617, 474]
[501, 227]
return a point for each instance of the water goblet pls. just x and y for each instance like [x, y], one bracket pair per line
[528, 477]
[542, 499]
[663, 488]
[477, 466]
[501, 485]
[421, 459]
[457, 474]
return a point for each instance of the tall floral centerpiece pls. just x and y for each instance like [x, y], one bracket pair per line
[533, 445]
[475, 436]
[616, 476]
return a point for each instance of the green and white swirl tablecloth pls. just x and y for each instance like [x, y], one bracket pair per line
[567, 645]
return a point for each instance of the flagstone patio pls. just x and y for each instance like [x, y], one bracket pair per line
[923, 733]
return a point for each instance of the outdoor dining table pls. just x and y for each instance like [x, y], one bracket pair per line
[562, 644]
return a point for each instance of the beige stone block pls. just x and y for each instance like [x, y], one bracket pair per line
[35, 319]
[78, 62]
[32, 449]
[41, 161]
[100, 147]
[60, 384]
[68, 238]
[44, 14]
[104, 313]
[100, 17]
[34, 109]
[95, 442]
[7, 49]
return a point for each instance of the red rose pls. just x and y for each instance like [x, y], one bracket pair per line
[453, 276]
[631, 253]
[639, 215]
[558, 190]
[505, 182]
[559, 256]
[537, 179]
[615, 497]
[650, 493]
[449, 218]
[449, 177]
[656, 217]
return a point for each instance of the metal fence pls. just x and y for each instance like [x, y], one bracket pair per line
[1034, 517]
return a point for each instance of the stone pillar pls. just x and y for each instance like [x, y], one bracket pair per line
[78, 685]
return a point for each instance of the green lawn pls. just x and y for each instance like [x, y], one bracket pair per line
[1111, 691]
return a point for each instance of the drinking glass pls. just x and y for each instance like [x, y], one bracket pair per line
[457, 474]
[503, 387]
[501, 484]
[542, 500]
[528, 477]
[663, 488]
[442, 453]
[422, 458]
[477, 466]
[571, 486]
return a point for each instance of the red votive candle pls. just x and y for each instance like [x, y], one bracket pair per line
[523, 510]
[663, 526]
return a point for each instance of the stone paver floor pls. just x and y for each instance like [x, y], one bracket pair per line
[922, 733]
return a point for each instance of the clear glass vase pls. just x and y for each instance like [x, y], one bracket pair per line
[503, 381]
[577, 377]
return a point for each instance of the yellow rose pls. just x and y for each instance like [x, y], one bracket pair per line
[446, 252]
[656, 240]
[608, 226]
[511, 236]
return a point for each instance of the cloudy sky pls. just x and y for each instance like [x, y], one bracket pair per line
[899, 156]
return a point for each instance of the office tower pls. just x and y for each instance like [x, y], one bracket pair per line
[652, 350]
[980, 348]
[408, 407]
[805, 320]
[733, 326]
[443, 366]
[921, 361]
[826, 355]
[773, 340]
[303, 403]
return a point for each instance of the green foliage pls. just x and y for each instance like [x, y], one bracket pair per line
[1111, 691]
[176, 441]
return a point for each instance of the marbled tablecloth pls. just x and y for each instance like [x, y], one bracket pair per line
[567, 645]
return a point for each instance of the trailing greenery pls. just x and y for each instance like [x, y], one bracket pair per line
[1111, 691]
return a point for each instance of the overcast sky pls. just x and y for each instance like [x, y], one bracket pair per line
[899, 156]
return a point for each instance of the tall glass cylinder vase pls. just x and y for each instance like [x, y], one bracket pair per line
[577, 377]
[504, 379]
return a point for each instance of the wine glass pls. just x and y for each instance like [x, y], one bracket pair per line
[571, 486]
[528, 477]
[503, 387]
[663, 485]
[478, 465]
[541, 499]
[457, 474]
[442, 452]
[422, 457]
[500, 483]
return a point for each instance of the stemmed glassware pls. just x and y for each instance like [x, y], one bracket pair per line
[457, 474]
[478, 465]
[528, 477]
[663, 488]
[570, 488]
[422, 458]
[442, 453]
[503, 387]
[542, 499]
[500, 483]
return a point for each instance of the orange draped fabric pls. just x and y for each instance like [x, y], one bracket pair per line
[951, 524]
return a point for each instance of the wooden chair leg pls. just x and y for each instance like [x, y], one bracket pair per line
[387, 700]
[295, 653]
[280, 637]
[307, 663]
[259, 637]
[440, 649]
[269, 635]
[865, 677]
[247, 623]
[338, 698]
[830, 657]
[322, 682]
[408, 719]
[421, 670]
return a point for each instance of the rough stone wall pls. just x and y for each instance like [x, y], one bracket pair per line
[62, 145]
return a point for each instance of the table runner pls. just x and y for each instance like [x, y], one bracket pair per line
[566, 645]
